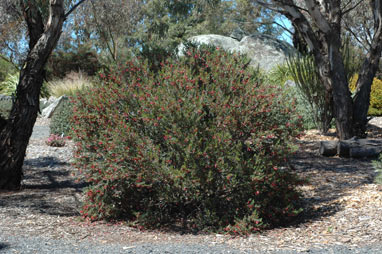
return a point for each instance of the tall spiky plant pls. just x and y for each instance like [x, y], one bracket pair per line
[305, 74]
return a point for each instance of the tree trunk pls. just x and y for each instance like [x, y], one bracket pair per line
[367, 73]
[333, 74]
[354, 148]
[15, 133]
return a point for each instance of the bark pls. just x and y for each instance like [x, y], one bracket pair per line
[328, 148]
[325, 44]
[15, 133]
[364, 152]
[355, 148]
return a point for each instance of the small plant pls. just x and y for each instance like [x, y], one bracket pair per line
[378, 168]
[279, 75]
[55, 141]
[311, 90]
[60, 123]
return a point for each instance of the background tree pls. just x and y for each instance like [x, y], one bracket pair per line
[44, 21]
[320, 24]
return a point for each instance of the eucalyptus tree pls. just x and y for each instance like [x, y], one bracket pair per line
[43, 20]
[320, 23]
[108, 25]
[12, 33]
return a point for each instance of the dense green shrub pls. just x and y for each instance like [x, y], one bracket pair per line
[375, 107]
[60, 123]
[6, 68]
[8, 86]
[62, 62]
[200, 143]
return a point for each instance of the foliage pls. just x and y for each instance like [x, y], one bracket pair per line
[310, 88]
[279, 75]
[375, 108]
[69, 85]
[313, 93]
[55, 141]
[83, 59]
[378, 167]
[8, 86]
[5, 69]
[200, 142]
[60, 123]
[5, 108]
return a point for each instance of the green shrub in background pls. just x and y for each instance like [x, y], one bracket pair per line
[375, 107]
[200, 143]
[279, 75]
[5, 108]
[6, 68]
[60, 123]
[9, 85]
[315, 103]
[312, 92]
[82, 59]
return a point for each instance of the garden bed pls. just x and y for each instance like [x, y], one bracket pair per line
[342, 205]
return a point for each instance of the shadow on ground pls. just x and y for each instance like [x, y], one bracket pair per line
[331, 178]
[3, 246]
[49, 187]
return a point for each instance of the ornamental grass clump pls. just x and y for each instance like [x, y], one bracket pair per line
[199, 144]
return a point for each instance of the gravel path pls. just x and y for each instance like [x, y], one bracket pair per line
[40, 132]
[36, 245]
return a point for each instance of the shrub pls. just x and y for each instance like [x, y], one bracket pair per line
[8, 86]
[6, 68]
[62, 62]
[70, 85]
[311, 90]
[378, 167]
[200, 143]
[375, 108]
[55, 141]
[279, 75]
[60, 123]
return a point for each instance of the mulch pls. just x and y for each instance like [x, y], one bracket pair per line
[343, 205]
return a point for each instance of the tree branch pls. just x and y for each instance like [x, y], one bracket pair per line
[73, 8]
[9, 61]
[351, 8]
[318, 17]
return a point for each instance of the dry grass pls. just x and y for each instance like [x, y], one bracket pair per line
[70, 85]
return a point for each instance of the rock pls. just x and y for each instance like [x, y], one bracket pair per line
[226, 43]
[263, 50]
[53, 105]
